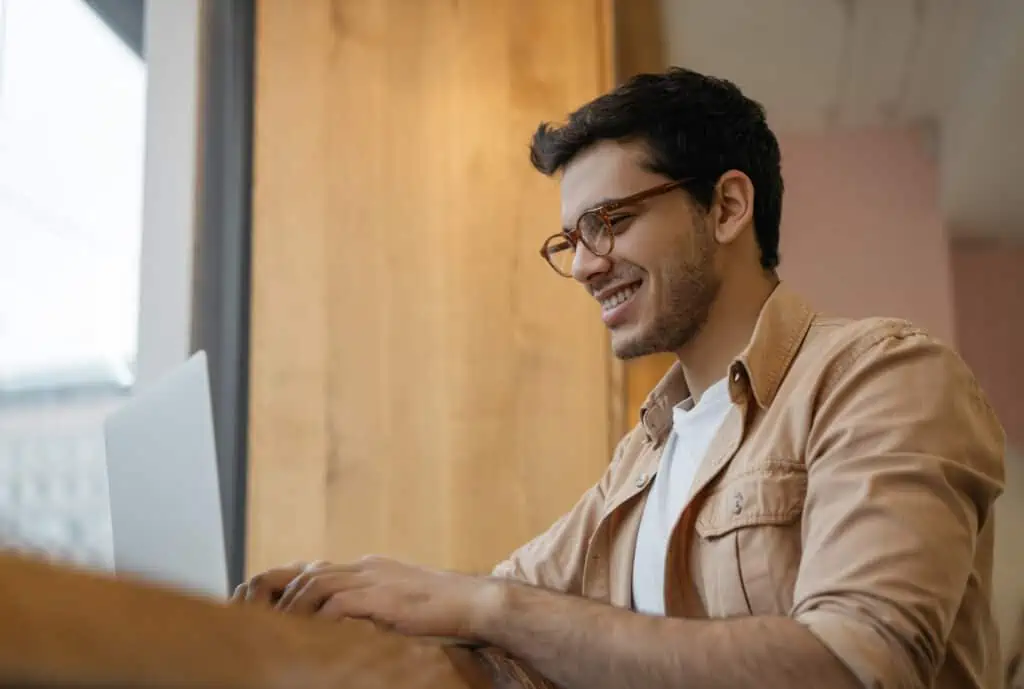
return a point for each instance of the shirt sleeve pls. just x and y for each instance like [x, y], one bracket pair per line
[905, 460]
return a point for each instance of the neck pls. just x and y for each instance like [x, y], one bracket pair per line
[729, 327]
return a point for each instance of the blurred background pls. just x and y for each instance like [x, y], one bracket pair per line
[333, 198]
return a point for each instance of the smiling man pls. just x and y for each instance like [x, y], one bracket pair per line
[807, 501]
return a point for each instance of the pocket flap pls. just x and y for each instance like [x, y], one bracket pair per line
[766, 496]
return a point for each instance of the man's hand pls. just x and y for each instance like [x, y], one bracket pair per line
[409, 600]
[267, 588]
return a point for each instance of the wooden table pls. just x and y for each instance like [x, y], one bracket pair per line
[60, 627]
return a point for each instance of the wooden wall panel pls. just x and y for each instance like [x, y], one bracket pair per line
[422, 385]
[639, 47]
[639, 41]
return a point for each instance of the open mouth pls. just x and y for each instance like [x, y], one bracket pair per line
[614, 306]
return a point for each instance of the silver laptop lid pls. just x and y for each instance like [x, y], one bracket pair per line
[165, 503]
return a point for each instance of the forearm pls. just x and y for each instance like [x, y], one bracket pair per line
[581, 644]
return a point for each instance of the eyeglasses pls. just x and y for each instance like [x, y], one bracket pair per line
[595, 229]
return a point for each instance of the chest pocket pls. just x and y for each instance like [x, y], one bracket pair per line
[747, 552]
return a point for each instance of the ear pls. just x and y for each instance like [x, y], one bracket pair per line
[734, 206]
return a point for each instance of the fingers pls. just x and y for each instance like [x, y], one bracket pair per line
[304, 588]
[240, 593]
[311, 590]
[267, 587]
[307, 598]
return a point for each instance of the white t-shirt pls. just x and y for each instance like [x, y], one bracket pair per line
[693, 428]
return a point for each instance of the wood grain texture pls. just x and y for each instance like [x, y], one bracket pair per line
[639, 47]
[639, 39]
[422, 385]
[64, 628]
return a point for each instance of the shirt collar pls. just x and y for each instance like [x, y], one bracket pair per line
[756, 372]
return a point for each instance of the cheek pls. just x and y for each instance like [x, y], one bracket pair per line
[650, 302]
[656, 294]
[651, 248]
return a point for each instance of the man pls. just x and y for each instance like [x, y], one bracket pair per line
[806, 501]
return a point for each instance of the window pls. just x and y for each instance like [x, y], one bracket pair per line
[72, 128]
[72, 133]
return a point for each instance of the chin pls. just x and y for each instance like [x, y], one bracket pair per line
[628, 343]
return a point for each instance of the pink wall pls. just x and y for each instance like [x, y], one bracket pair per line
[989, 298]
[861, 230]
[862, 235]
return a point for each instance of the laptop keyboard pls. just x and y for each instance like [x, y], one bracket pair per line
[53, 486]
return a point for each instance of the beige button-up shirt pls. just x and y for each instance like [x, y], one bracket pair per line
[851, 488]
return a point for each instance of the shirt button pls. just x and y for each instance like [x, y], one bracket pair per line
[641, 480]
[737, 506]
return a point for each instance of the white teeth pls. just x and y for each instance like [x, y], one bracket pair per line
[619, 297]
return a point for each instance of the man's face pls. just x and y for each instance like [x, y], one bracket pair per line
[658, 283]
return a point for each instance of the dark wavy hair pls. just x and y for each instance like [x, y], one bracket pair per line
[694, 126]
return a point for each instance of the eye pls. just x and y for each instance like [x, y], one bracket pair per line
[620, 222]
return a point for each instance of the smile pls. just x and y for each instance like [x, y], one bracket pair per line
[620, 296]
[615, 307]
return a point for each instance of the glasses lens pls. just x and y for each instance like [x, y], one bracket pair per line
[596, 234]
[560, 253]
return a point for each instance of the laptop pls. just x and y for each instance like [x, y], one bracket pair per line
[165, 505]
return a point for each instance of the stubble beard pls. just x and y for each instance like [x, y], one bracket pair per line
[691, 291]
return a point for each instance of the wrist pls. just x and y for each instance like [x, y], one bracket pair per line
[490, 608]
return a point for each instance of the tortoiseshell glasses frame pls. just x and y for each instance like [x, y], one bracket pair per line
[595, 229]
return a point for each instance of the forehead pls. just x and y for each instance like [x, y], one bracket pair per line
[607, 170]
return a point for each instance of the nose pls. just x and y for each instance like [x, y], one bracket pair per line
[586, 266]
